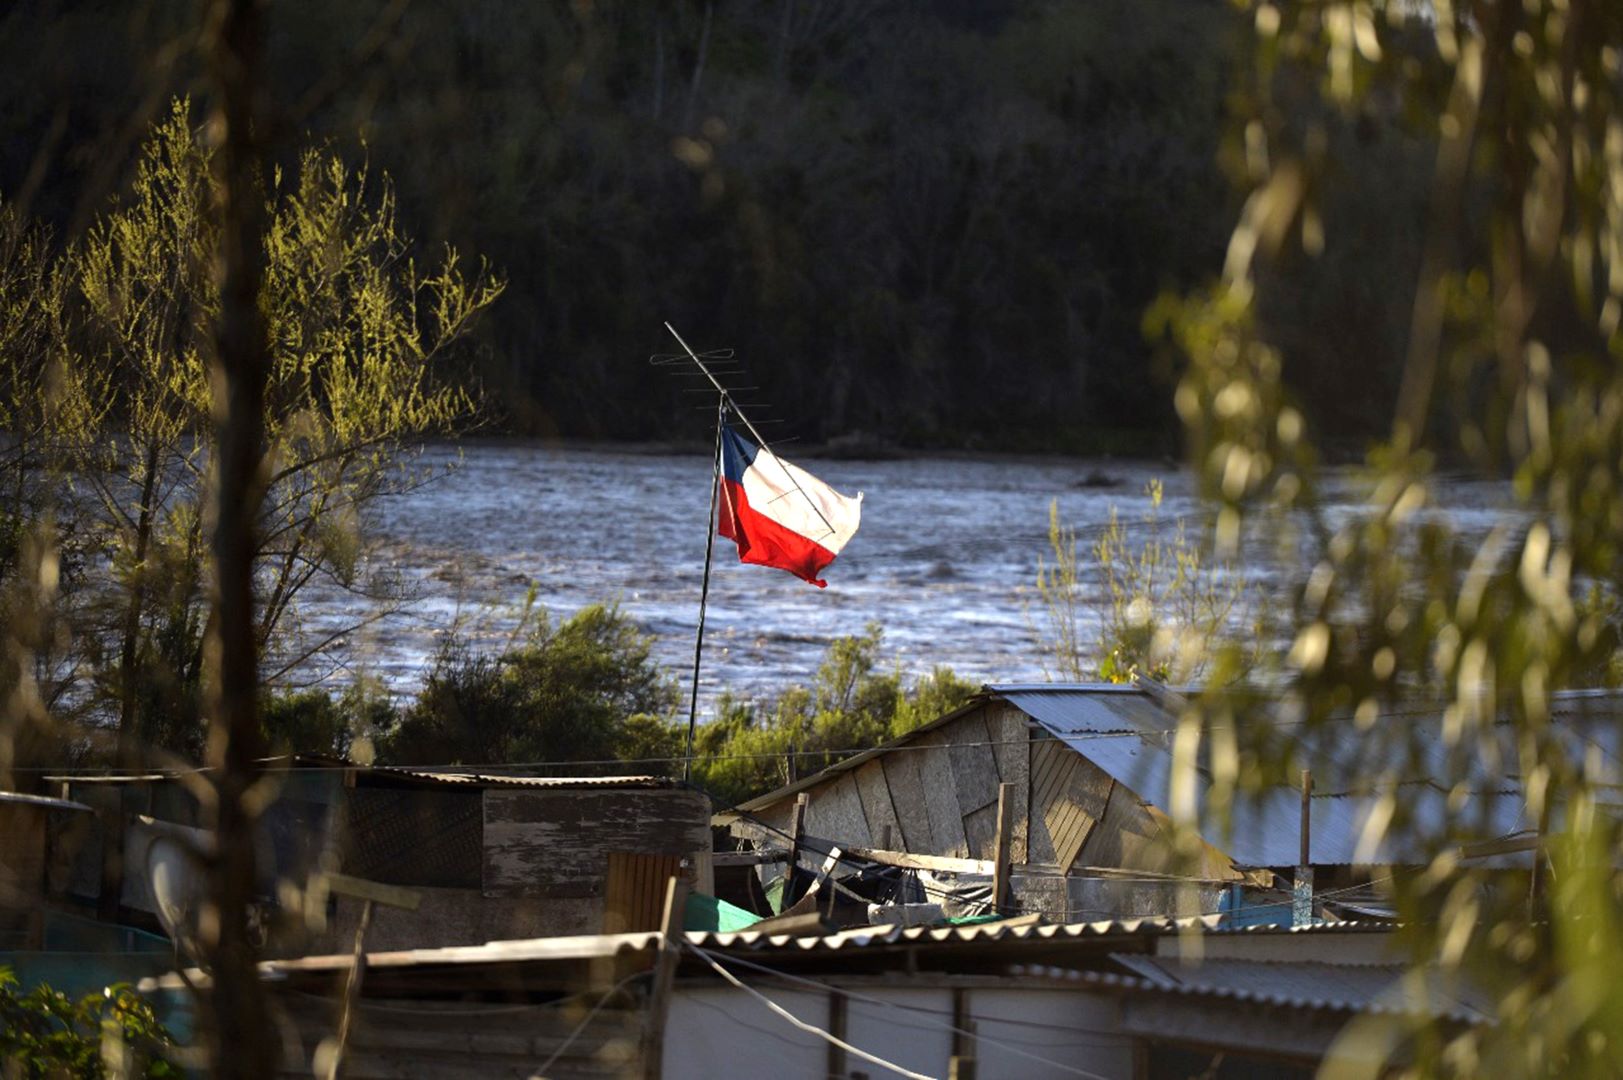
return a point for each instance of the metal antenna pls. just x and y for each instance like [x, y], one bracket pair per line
[759, 439]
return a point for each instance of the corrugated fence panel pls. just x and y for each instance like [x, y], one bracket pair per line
[634, 895]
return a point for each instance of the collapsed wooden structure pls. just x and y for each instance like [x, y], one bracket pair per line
[1087, 773]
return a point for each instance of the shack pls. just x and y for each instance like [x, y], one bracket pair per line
[485, 857]
[1090, 767]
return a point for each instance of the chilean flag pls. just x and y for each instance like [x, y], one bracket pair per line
[779, 514]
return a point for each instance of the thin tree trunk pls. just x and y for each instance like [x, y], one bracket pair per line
[129, 647]
[238, 1032]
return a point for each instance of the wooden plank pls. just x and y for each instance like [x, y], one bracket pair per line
[1011, 745]
[1127, 835]
[907, 799]
[1073, 804]
[836, 813]
[361, 889]
[876, 805]
[552, 843]
[1005, 823]
[941, 797]
[974, 766]
[659, 994]
[1044, 760]
[913, 861]
[722, 859]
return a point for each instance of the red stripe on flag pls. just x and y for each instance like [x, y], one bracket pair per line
[764, 542]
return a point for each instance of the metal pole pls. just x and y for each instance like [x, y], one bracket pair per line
[704, 590]
[759, 440]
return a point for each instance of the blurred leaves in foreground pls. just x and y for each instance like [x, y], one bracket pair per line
[45, 1034]
[1512, 366]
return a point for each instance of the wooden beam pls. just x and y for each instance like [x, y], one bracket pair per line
[797, 829]
[1307, 819]
[352, 993]
[909, 861]
[659, 994]
[722, 859]
[1000, 858]
[373, 891]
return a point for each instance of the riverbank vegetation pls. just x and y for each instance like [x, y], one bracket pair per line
[583, 696]
[1161, 605]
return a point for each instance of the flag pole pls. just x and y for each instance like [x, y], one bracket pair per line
[704, 590]
[759, 441]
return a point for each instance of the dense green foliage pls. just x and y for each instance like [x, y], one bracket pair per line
[851, 705]
[584, 696]
[109, 429]
[45, 1035]
[575, 692]
[939, 222]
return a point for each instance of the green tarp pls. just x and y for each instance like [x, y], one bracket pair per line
[716, 916]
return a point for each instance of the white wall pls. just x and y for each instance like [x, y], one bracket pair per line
[909, 1030]
[719, 1033]
[724, 1034]
[1077, 1029]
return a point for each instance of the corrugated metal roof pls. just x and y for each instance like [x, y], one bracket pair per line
[448, 778]
[876, 936]
[1364, 988]
[469, 779]
[582, 947]
[1265, 830]
[1071, 710]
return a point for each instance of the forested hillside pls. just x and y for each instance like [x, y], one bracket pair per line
[939, 223]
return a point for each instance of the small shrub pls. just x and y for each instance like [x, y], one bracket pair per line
[45, 1034]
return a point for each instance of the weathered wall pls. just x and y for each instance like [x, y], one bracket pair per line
[554, 844]
[936, 792]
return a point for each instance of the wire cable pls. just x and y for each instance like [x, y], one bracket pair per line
[946, 1025]
[810, 1029]
[928, 1013]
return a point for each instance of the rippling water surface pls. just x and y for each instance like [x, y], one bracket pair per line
[945, 560]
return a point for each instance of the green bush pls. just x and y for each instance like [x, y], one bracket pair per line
[581, 691]
[46, 1034]
[852, 705]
